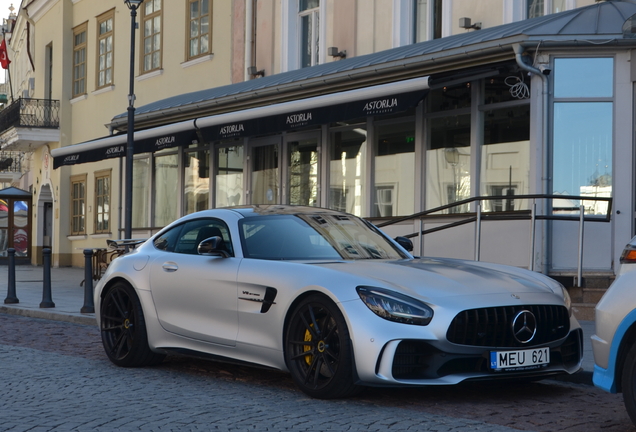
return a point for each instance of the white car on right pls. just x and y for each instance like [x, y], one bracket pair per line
[614, 343]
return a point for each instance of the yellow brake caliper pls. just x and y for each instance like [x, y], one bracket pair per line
[308, 357]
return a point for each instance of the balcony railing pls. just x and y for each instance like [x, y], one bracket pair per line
[11, 161]
[33, 113]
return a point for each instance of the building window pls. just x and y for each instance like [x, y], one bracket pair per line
[537, 8]
[265, 174]
[303, 171]
[141, 192]
[394, 170]
[229, 175]
[79, 60]
[582, 129]
[534, 8]
[196, 194]
[505, 156]
[309, 17]
[505, 150]
[165, 192]
[105, 37]
[151, 40]
[102, 202]
[200, 29]
[427, 16]
[347, 170]
[449, 153]
[78, 204]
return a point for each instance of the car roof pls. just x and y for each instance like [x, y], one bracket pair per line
[266, 210]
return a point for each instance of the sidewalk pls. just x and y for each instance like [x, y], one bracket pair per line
[66, 293]
[68, 296]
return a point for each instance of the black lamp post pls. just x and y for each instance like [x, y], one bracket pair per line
[133, 5]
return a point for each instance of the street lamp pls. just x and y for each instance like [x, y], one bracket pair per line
[133, 5]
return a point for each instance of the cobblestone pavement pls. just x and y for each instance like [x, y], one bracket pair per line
[55, 377]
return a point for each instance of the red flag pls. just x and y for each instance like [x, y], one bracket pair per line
[4, 57]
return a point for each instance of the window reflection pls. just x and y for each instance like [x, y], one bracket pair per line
[265, 174]
[505, 157]
[303, 172]
[197, 181]
[165, 190]
[20, 225]
[448, 162]
[347, 169]
[583, 77]
[141, 190]
[395, 170]
[583, 151]
[229, 176]
[582, 131]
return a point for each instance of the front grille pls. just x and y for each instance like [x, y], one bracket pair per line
[492, 327]
[410, 360]
[572, 348]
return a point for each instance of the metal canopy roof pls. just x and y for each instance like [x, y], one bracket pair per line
[594, 24]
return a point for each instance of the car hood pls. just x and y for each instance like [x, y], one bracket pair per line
[436, 277]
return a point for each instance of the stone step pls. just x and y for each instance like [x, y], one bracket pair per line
[584, 311]
[586, 295]
[593, 295]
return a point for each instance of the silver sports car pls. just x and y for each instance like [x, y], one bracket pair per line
[331, 299]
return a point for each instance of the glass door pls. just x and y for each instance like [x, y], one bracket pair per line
[264, 171]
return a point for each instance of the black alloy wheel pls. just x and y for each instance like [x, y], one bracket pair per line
[123, 328]
[318, 349]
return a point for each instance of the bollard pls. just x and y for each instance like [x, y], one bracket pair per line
[89, 305]
[47, 301]
[11, 297]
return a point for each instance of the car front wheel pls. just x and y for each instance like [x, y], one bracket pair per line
[318, 350]
[123, 328]
[628, 381]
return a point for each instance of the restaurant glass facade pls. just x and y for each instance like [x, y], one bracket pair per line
[475, 141]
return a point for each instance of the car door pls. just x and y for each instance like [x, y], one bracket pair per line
[196, 296]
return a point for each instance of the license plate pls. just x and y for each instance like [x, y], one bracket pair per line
[520, 359]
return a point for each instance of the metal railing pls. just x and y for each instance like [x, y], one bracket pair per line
[11, 161]
[565, 213]
[40, 113]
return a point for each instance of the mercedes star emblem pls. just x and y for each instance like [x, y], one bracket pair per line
[524, 326]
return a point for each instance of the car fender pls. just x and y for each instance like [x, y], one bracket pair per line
[606, 379]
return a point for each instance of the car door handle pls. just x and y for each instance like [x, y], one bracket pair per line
[170, 267]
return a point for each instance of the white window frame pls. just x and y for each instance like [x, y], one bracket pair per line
[515, 10]
[404, 20]
[290, 60]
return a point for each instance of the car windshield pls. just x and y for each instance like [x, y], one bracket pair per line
[313, 237]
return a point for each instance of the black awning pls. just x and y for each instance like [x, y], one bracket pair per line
[313, 116]
[359, 103]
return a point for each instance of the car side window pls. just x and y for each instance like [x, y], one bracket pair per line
[167, 240]
[194, 232]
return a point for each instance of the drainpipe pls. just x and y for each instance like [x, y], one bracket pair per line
[545, 178]
[249, 37]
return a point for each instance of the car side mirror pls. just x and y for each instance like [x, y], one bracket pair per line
[213, 246]
[405, 242]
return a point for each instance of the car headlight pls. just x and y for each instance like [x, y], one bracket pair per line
[394, 306]
[566, 300]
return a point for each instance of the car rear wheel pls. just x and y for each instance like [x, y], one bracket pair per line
[318, 349]
[123, 328]
[628, 381]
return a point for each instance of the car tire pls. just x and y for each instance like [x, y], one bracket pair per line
[628, 383]
[123, 328]
[318, 349]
